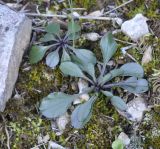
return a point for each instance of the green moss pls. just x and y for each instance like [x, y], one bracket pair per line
[151, 128]
[25, 122]
[148, 8]
[85, 4]
[104, 125]
[21, 114]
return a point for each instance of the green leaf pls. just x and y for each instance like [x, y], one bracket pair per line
[47, 37]
[112, 74]
[73, 30]
[52, 59]
[135, 86]
[108, 46]
[118, 103]
[82, 113]
[37, 53]
[73, 36]
[132, 69]
[53, 28]
[55, 104]
[117, 144]
[69, 68]
[107, 93]
[73, 27]
[85, 56]
[65, 56]
[129, 69]
[89, 68]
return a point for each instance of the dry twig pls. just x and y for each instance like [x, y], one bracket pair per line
[118, 7]
[66, 16]
[7, 133]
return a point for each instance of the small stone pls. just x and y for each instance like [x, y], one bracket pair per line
[82, 84]
[54, 145]
[136, 27]
[76, 14]
[92, 36]
[124, 138]
[15, 31]
[136, 108]
[147, 56]
[119, 21]
[62, 121]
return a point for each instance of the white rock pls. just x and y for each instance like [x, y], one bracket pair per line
[136, 108]
[92, 36]
[43, 139]
[15, 31]
[136, 27]
[119, 21]
[53, 145]
[124, 138]
[76, 14]
[82, 84]
[62, 121]
[147, 56]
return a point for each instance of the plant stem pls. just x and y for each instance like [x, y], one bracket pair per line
[102, 72]
[72, 20]
[118, 7]
[131, 84]
[88, 79]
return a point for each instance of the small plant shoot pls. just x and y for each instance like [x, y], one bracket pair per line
[83, 64]
[55, 45]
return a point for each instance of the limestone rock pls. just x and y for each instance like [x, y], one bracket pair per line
[92, 36]
[15, 31]
[82, 84]
[147, 56]
[136, 108]
[62, 121]
[136, 27]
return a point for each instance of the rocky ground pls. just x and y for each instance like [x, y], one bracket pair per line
[22, 126]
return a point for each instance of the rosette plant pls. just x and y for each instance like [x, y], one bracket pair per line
[55, 45]
[83, 65]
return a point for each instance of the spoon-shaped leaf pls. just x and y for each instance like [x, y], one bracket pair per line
[55, 104]
[82, 113]
[73, 30]
[37, 53]
[86, 60]
[118, 103]
[69, 68]
[108, 46]
[52, 59]
[53, 28]
[85, 56]
[129, 69]
[107, 93]
[112, 74]
[65, 56]
[132, 69]
[47, 37]
[73, 27]
[135, 86]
